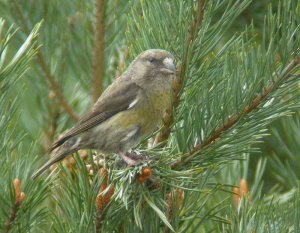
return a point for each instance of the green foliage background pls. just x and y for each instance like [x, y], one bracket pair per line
[229, 56]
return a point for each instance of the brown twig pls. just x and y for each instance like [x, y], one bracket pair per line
[99, 55]
[53, 119]
[178, 196]
[231, 121]
[50, 78]
[102, 200]
[202, 7]
[168, 120]
[20, 197]
[55, 87]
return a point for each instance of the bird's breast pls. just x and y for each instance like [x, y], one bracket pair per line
[148, 112]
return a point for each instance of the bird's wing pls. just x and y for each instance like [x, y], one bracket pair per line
[119, 98]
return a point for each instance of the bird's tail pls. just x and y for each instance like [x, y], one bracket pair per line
[58, 155]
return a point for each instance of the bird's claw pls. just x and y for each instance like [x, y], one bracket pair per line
[132, 158]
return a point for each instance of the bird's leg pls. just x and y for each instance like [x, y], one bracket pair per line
[133, 155]
[130, 161]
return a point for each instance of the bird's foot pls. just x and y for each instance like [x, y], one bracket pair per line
[132, 158]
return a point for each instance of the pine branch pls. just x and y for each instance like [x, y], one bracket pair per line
[51, 79]
[55, 87]
[99, 56]
[231, 121]
[169, 117]
[53, 120]
[12, 216]
[20, 197]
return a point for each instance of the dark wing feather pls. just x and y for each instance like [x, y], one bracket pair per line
[117, 100]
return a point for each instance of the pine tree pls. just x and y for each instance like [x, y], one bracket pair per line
[208, 171]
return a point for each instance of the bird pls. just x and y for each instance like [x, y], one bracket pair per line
[130, 109]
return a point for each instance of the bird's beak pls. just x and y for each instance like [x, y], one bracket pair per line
[169, 67]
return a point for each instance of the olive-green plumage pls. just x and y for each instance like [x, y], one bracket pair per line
[128, 110]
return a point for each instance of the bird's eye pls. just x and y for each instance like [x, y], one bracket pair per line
[152, 60]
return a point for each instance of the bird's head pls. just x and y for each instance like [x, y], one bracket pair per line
[153, 63]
